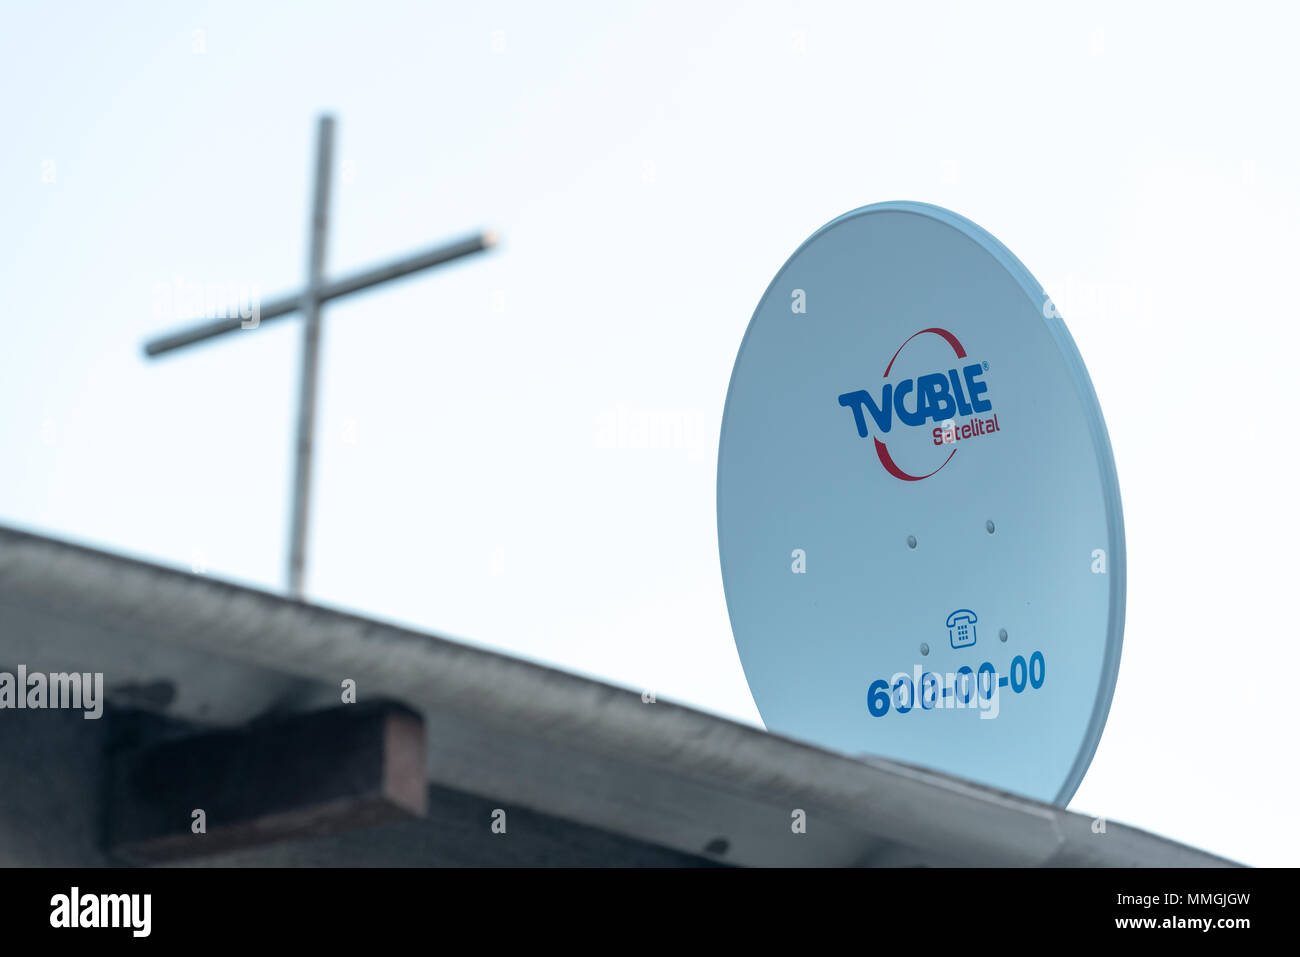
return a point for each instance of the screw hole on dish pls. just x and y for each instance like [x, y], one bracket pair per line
[1002, 634]
[911, 541]
[925, 648]
[989, 527]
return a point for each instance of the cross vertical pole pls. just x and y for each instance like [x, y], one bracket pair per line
[311, 301]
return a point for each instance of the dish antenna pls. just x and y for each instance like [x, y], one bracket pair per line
[918, 514]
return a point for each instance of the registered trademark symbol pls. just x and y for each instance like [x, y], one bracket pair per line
[985, 365]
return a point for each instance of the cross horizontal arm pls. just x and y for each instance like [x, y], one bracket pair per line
[277, 308]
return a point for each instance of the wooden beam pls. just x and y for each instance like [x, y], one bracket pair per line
[290, 777]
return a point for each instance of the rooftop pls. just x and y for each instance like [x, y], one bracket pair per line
[587, 773]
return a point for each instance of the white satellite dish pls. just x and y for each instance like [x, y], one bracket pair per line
[918, 514]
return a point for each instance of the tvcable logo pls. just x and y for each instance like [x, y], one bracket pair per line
[939, 397]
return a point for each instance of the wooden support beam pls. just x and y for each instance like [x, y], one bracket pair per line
[291, 777]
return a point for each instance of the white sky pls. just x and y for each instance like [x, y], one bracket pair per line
[649, 168]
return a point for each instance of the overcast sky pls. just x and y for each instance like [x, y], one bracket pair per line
[482, 469]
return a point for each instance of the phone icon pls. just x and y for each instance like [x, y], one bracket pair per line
[961, 628]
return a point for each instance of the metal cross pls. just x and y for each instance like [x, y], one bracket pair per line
[309, 301]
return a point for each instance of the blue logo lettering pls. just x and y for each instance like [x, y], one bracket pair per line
[939, 397]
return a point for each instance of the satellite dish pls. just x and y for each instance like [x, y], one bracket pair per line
[918, 514]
